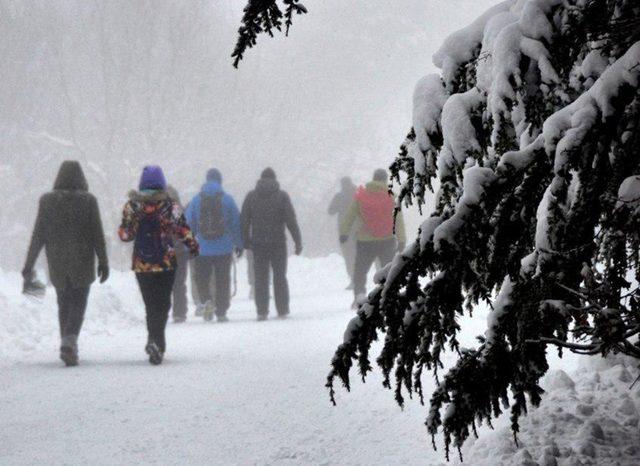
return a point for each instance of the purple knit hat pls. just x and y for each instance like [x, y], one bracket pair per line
[152, 178]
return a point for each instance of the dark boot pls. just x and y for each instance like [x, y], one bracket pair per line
[69, 350]
[155, 355]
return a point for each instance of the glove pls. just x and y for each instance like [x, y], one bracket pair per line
[298, 249]
[103, 272]
[239, 252]
[194, 251]
[401, 247]
[344, 239]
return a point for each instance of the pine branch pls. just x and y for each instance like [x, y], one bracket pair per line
[263, 17]
[530, 207]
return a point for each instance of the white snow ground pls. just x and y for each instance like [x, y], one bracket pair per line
[251, 393]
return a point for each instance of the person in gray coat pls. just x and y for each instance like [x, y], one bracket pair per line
[179, 303]
[69, 228]
[339, 206]
[266, 212]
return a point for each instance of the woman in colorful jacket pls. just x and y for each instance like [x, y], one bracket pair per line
[151, 219]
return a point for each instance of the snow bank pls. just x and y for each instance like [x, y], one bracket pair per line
[588, 417]
[30, 324]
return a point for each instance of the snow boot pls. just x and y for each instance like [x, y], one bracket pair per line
[179, 320]
[262, 317]
[360, 298]
[69, 350]
[35, 288]
[155, 355]
[208, 311]
[223, 319]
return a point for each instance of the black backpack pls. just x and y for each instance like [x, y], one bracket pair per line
[212, 223]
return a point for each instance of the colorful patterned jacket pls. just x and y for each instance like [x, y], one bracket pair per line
[172, 224]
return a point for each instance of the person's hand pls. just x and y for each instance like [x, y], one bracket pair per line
[194, 252]
[344, 239]
[298, 249]
[103, 272]
[239, 252]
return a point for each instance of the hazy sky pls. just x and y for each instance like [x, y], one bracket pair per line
[122, 83]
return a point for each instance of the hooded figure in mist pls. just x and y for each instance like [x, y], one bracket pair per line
[69, 228]
[266, 212]
[179, 304]
[340, 206]
[152, 219]
[372, 212]
[215, 220]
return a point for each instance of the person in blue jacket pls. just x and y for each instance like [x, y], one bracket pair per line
[214, 218]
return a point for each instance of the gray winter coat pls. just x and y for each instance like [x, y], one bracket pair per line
[68, 226]
[341, 202]
[266, 211]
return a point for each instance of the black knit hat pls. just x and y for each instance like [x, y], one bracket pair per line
[268, 173]
[381, 175]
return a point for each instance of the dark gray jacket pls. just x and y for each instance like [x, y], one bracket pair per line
[68, 226]
[266, 211]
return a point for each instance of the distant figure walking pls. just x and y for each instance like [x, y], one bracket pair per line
[215, 219]
[340, 206]
[266, 211]
[372, 212]
[152, 219]
[179, 303]
[68, 226]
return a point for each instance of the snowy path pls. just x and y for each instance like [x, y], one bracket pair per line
[252, 393]
[237, 393]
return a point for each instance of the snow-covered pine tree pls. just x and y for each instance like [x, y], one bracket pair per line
[264, 16]
[532, 135]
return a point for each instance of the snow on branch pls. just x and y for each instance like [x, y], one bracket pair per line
[532, 132]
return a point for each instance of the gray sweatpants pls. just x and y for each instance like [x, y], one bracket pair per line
[366, 254]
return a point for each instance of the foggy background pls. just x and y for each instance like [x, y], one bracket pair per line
[119, 84]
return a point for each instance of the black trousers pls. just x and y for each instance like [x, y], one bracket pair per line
[366, 254]
[205, 266]
[180, 287]
[156, 290]
[72, 303]
[268, 257]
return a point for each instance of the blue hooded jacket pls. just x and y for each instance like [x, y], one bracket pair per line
[233, 235]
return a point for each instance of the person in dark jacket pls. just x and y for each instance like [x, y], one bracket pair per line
[152, 219]
[339, 206]
[179, 305]
[215, 220]
[69, 228]
[266, 212]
